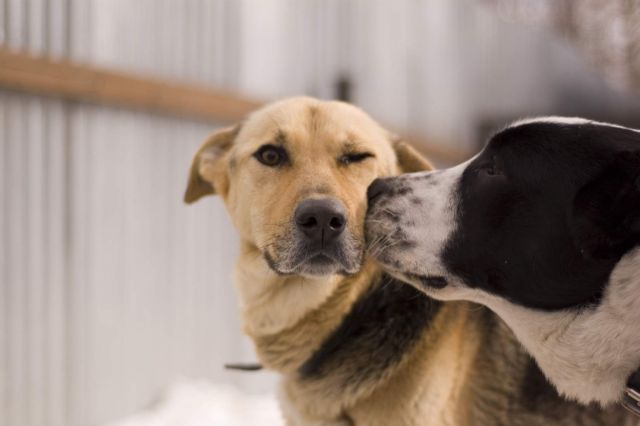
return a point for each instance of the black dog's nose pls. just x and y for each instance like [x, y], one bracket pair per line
[377, 188]
[321, 220]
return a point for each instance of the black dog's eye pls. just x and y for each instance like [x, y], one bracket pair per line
[355, 157]
[271, 155]
[491, 169]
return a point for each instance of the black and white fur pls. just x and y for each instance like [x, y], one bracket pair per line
[542, 226]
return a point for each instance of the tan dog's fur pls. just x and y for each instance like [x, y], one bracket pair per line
[466, 368]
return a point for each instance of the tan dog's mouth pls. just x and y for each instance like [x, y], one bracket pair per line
[295, 256]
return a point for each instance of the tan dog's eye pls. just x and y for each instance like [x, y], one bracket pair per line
[271, 155]
[355, 157]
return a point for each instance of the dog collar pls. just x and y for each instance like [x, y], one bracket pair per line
[631, 399]
[243, 366]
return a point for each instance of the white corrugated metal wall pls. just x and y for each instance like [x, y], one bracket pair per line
[109, 287]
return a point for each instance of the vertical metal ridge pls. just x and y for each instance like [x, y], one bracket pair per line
[58, 269]
[4, 264]
[47, 336]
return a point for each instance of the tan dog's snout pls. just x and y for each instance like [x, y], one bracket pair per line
[321, 220]
[322, 238]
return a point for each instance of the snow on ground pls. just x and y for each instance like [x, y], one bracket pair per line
[201, 403]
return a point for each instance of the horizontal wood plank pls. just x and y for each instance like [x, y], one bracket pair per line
[23, 72]
[58, 78]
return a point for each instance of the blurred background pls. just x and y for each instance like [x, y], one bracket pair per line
[115, 297]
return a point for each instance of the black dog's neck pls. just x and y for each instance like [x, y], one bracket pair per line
[634, 380]
[631, 399]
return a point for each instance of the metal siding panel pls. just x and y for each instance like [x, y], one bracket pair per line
[36, 281]
[58, 27]
[5, 387]
[16, 24]
[80, 30]
[36, 18]
[76, 322]
[108, 246]
[4, 9]
[18, 409]
[207, 40]
[56, 191]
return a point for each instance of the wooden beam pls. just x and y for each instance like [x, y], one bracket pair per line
[63, 79]
[23, 72]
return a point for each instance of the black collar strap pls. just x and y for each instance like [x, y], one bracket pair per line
[243, 366]
[631, 399]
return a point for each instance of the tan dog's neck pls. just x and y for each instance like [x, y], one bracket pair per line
[288, 317]
[272, 303]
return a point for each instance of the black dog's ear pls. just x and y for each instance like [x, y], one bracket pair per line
[606, 211]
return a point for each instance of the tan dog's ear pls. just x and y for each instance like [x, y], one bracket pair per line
[207, 169]
[409, 159]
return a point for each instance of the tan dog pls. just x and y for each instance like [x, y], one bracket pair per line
[352, 345]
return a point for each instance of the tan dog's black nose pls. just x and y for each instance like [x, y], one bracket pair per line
[321, 220]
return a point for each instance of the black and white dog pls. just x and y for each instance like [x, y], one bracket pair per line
[543, 227]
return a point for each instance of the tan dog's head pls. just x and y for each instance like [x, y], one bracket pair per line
[294, 178]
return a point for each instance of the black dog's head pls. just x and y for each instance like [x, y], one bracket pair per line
[533, 226]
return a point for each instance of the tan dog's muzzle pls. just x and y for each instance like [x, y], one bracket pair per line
[320, 243]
